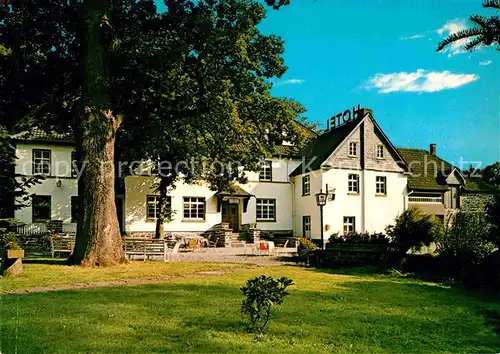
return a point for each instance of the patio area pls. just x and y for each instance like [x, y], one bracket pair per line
[244, 254]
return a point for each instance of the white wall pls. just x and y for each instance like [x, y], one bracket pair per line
[382, 211]
[306, 205]
[60, 196]
[138, 187]
[281, 170]
[282, 192]
[61, 158]
[344, 204]
[373, 213]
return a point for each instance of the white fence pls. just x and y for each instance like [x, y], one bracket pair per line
[32, 229]
[69, 228]
[412, 199]
[41, 228]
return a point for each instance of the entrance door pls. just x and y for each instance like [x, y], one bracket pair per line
[231, 215]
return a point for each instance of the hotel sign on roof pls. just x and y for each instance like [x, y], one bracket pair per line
[342, 118]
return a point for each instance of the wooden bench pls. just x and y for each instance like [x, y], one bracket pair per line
[62, 244]
[146, 247]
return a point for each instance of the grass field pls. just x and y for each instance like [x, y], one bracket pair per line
[325, 313]
[54, 273]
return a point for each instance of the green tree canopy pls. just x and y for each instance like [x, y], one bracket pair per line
[104, 68]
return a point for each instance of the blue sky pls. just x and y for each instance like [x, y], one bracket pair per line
[344, 53]
[381, 55]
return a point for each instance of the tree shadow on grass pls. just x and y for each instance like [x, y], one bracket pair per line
[492, 318]
[204, 316]
[353, 270]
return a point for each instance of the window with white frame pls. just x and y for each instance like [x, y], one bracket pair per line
[306, 226]
[306, 185]
[381, 185]
[380, 151]
[41, 162]
[266, 209]
[266, 171]
[349, 224]
[152, 206]
[353, 148]
[194, 208]
[353, 183]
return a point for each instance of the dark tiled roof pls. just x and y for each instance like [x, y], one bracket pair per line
[37, 134]
[286, 151]
[427, 171]
[322, 147]
[236, 191]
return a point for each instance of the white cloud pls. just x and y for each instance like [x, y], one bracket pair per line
[419, 81]
[450, 28]
[289, 82]
[415, 36]
[485, 62]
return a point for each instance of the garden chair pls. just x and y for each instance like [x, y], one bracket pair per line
[276, 250]
[174, 252]
[214, 243]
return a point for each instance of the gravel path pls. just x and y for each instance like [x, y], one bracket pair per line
[226, 257]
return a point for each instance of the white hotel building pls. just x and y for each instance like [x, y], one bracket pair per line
[372, 182]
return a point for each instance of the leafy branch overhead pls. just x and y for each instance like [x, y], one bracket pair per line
[485, 31]
[183, 81]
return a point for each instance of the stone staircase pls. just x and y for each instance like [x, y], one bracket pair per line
[228, 238]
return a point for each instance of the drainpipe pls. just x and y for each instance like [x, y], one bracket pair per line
[363, 179]
[406, 202]
[293, 196]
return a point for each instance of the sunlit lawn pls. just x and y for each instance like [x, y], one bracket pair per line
[324, 313]
[42, 275]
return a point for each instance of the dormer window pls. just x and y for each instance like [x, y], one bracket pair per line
[353, 149]
[266, 171]
[41, 162]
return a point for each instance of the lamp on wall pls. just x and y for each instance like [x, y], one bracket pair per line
[58, 183]
[321, 198]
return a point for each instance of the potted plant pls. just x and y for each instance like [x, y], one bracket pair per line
[12, 255]
[14, 250]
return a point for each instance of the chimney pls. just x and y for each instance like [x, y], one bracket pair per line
[360, 112]
[432, 149]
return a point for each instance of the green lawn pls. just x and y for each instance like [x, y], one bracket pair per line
[46, 275]
[324, 313]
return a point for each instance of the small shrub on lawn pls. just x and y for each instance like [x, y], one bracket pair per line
[306, 247]
[260, 294]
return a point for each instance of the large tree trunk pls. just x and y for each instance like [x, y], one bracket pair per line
[98, 241]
